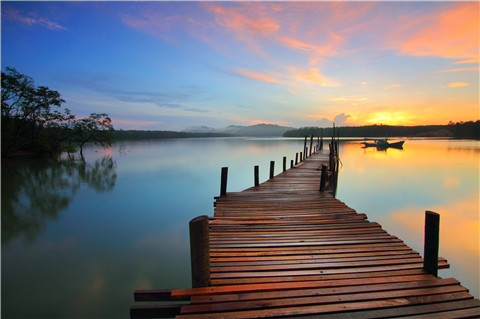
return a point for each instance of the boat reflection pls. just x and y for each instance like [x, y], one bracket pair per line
[383, 144]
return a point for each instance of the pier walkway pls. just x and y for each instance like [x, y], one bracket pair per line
[285, 249]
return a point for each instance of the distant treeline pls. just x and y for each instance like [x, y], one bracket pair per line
[458, 130]
[143, 135]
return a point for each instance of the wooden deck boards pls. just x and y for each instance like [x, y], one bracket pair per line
[284, 249]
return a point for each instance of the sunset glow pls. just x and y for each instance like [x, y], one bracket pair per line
[172, 65]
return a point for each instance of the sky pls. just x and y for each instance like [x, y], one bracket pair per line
[177, 65]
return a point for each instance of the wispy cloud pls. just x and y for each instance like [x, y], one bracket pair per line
[475, 68]
[12, 14]
[257, 76]
[474, 60]
[313, 75]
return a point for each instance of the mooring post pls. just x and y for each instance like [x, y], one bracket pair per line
[200, 251]
[284, 163]
[272, 168]
[323, 178]
[431, 243]
[296, 158]
[291, 163]
[223, 182]
[255, 175]
[311, 143]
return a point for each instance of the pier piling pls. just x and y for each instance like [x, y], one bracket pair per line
[431, 243]
[200, 251]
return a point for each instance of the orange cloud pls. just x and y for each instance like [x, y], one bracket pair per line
[453, 33]
[476, 60]
[475, 68]
[457, 84]
[256, 76]
[313, 76]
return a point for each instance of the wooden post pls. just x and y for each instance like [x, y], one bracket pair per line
[223, 182]
[431, 243]
[311, 144]
[323, 178]
[321, 140]
[296, 158]
[200, 251]
[301, 156]
[284, 163]
[255, 175]
[291, 163]
[304, 148]
[272, 168]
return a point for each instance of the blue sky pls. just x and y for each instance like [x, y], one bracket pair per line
[172, 65]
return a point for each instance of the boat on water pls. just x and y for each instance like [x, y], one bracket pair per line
[383, 144]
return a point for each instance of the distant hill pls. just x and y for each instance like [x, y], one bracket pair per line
[259, 130]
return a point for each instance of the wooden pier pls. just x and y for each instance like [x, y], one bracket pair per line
[285, 249]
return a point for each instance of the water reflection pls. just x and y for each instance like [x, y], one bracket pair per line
[37, 190]
[396, 187]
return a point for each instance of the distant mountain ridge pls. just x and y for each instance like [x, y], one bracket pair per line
[258, 130]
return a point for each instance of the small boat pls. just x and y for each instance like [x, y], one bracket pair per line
[383, 144]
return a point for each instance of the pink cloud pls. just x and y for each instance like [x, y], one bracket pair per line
[256, 76]
[29, 19]
[452, 33]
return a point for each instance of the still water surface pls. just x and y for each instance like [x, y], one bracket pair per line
[79, 237]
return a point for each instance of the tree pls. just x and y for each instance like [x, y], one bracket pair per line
[96, 128]
[32, 120]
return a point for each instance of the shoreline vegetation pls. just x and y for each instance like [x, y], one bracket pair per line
[465, 130]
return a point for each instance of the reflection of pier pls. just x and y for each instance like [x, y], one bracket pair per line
[284, 248]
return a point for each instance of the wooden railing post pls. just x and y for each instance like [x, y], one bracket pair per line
[431, 243]
[272, 168]
[296, 158]
[284, 163]
[223, 182]
[304, 148]
[311, 143]
[255, 175]
[323, 178]
[200, 251]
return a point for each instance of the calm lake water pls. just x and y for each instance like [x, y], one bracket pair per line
[78, 238]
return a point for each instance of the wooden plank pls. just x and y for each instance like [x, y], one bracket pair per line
[328, 308]
[319, 299]
[433, 308]
[178, 294]
[382, 284]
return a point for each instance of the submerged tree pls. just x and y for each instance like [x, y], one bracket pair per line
[96, 128]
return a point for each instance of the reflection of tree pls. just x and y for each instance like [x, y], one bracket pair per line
[35, 190]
